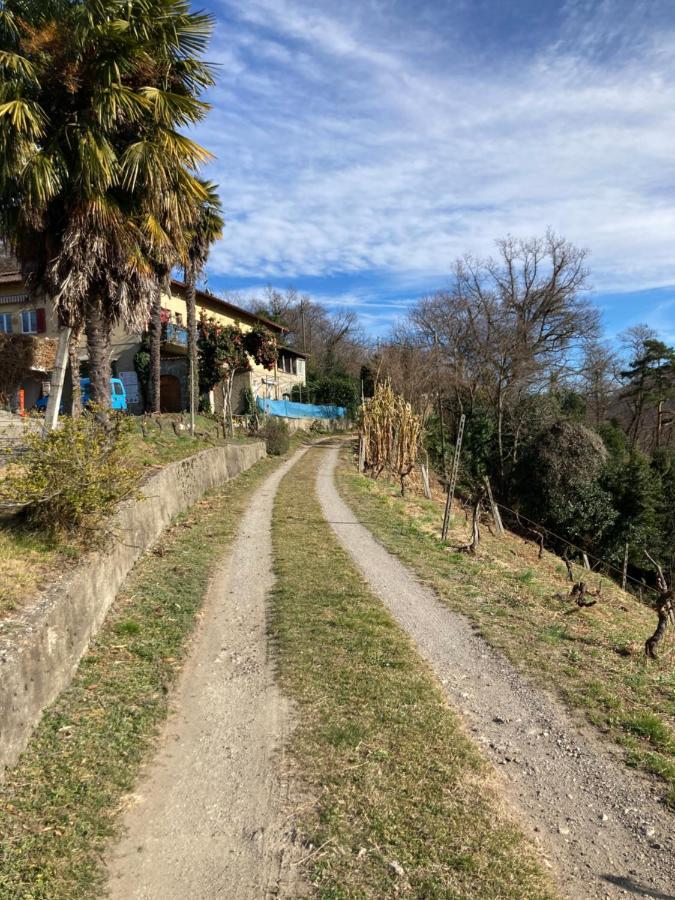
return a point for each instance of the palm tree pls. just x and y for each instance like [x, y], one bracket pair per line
[207, 229]
[92, 94]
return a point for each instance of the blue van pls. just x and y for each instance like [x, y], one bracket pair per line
[118, 396]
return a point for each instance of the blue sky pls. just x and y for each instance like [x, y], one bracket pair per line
[363, 146]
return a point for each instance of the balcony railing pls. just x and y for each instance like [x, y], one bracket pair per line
[175, 335]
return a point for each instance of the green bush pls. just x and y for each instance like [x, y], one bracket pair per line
[71, 479]
[250, 406]
[277, 437]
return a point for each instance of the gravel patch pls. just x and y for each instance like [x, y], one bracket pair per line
[599, 825]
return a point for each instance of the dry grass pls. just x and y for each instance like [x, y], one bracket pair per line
[391, 779]
[592, 657]
[26, 562]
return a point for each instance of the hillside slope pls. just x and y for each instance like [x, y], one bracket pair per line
[593, 658]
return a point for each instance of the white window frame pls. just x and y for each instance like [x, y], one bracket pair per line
[5, 320]
[32, 318]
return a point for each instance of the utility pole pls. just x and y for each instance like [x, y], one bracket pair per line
[57, 380]
[453, 480]
[624, 573]
[440, 405]
[302, 324]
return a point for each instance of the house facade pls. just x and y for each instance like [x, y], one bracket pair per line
[34, 316]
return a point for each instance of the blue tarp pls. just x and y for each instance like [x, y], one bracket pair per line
[300, 410]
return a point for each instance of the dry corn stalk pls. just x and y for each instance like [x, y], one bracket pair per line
[391, 434]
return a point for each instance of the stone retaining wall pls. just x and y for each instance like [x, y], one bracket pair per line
[40, 650]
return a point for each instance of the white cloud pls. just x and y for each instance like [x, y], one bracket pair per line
[342, 149]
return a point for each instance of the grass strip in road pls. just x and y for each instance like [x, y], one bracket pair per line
[593, 658]
[58, 806]
[399, 799]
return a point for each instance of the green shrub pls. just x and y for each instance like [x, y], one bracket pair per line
[277, 436]
[250, 406]
[71, 479]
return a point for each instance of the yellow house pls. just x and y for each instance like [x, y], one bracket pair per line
[21, 314]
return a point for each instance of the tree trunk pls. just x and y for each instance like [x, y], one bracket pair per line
[74, 360]
[227, 403]
[155, 339]
[97, 329]
[659, 424]
[191, 302]
[664, 610]
[500, 433]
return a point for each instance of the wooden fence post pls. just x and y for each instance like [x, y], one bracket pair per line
[495, 509]
[453, 480]
[425, 478]
[624, 574]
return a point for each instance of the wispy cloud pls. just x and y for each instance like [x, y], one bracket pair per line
[366, 136]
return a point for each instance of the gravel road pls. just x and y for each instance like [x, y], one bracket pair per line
[599, 825]
[209, 819]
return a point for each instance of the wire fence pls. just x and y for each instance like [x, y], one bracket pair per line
[597, 559]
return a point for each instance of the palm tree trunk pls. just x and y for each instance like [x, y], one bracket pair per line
[97, 329]
[74, 359]
[155, 337]
[191, 301]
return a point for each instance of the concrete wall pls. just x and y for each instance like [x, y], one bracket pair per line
[40, 650]
[306, 424]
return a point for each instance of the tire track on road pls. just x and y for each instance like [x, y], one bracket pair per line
[208, 819]
[598, 823]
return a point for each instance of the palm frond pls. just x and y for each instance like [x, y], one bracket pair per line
[118, 103]
[99, 167]
[142, 163]
[23, 115]
[174, 109]
[8, 25]
[17, 65]
[180, 149]
[41, 179]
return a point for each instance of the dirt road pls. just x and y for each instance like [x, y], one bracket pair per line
[599, 824]
[208, 820]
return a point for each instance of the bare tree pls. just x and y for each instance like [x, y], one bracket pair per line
[599, 374]
[333, 339]
[508, 327]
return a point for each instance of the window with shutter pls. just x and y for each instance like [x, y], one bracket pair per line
[29, 323]
[41, 320]
[6, 323]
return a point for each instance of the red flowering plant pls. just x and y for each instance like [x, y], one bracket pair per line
[261, 344]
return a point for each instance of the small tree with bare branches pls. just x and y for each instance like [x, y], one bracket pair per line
[664, 609]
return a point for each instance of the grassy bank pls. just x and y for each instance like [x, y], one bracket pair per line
[592, 657]
[28, 558]
[58, 805]
[161, 444]
[398, 802]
